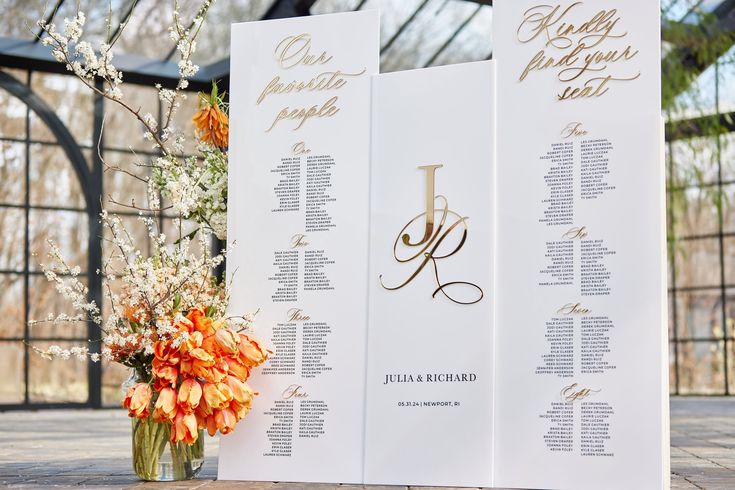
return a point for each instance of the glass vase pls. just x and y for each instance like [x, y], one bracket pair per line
[156, 458]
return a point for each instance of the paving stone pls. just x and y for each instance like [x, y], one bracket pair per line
[91, 449]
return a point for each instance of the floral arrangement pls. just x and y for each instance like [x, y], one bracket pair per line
[167, 318]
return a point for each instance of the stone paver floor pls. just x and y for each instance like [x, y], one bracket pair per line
[91, 449]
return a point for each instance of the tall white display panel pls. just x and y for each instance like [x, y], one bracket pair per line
[581, 393]
[430, 362]
[298, 219]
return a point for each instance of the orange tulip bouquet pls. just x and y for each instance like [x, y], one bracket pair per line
[167, 314]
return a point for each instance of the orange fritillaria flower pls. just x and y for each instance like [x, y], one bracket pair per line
[138, 400]
[211, 122]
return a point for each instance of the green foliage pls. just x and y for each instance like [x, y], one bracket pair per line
[688, 51]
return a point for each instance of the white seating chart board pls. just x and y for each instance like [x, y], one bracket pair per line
[460, 270]
[581, 338]
[299, 194]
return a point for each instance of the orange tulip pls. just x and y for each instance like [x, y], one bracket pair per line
[201, 322]
[190, 393]
[166, 374]
[166, 352]
[227, 341]
[184, 325]
[225, 420]
[238, 369]
[138, 400]
[193, 340]
[165, 408]
[197, 363]
[242, 396]
[203, 410]
[252, 352]
[211, 425]
[218, 372]
[218, 395]
[184, 428]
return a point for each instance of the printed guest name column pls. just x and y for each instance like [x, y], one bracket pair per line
[580, 327]
[298, 222]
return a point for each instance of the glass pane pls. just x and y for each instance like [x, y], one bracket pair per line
[727, 149]
[671, 313]
[728, 244]
[121, 187]
[728, 208]
[138, 233]
[698, 263]
[12, 172]
[122, 129]
[694, 162]
[13, 121]
[68, 229]
[699, 315]
[53, 179]
[71, 101]
[730, 311]
[701, 367]
[44, 299]
[57, 380]
[12, 305]
[474, 41]
[20, 14]
[113, 376]
[12, 388]
[333, 6]
[424, 35]
[731, 366]
[12, 230]
[693, 212]
[183, 121]
[672, 368]
[147, 32]
[213, 42]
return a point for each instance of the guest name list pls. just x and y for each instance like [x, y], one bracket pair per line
[580, 325]
[298, 217]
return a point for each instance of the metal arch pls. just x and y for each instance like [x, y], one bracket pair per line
[67, 142]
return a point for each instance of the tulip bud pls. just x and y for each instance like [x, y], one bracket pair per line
[138, 400]
[190, 393]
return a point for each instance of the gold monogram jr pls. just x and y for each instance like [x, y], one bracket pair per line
[429, 248]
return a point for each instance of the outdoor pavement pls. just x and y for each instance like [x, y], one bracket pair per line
[91, 449]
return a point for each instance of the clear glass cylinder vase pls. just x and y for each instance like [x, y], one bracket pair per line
[156, 458]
